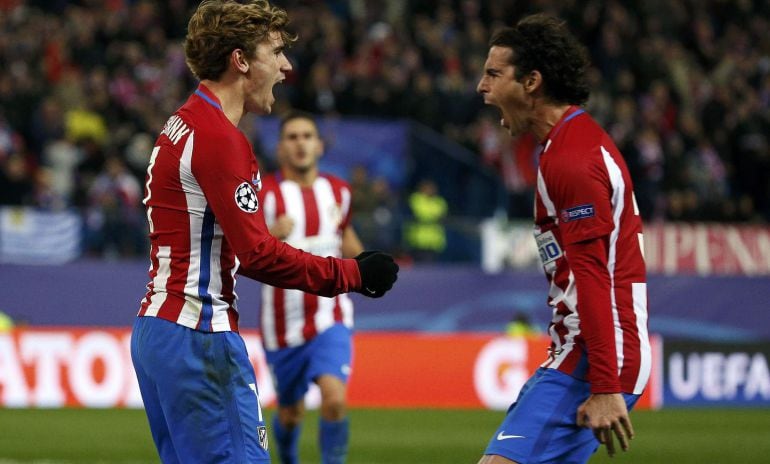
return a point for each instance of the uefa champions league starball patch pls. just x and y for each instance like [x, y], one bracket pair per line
[246, 199]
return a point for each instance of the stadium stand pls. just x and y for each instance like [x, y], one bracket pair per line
[685, 94]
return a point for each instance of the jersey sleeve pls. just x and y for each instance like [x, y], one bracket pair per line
[588, 263]
[225, 170]
[581, 194]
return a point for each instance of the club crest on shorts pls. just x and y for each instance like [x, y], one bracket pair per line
[262, 433]
[246, 198]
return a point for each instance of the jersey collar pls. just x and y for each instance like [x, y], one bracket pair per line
[568, 115]
[208, 96]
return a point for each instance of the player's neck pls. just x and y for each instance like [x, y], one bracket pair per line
[303, 178]
[545, 118]
[229, 98]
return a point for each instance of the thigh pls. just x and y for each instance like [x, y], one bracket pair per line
[541, 426]
[289, 367]
[159, 428]
[331, 354]
[207, 391]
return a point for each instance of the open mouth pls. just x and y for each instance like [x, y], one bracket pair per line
[503, 121]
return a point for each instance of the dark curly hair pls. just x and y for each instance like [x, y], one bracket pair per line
[219, 26]
[541, 42]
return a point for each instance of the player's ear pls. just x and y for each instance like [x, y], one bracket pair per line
[239, 61]
[533, 81]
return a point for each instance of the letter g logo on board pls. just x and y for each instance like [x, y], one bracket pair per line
[500, 371]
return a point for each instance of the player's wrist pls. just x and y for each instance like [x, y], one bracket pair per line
[352, 273]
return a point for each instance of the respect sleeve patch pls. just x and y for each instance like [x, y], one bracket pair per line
[577, 212]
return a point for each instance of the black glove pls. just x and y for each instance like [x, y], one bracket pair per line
[378, 273]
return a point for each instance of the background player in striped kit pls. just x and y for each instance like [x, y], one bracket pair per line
[307, 338]
[197, 383]
[589, 234]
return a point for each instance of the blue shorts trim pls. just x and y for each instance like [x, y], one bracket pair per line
[199, 393]
[295, 368]
[540, 427]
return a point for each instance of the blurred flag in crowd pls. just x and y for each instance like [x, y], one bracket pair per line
[37, 237]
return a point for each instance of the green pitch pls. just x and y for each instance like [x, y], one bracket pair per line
[388, 436]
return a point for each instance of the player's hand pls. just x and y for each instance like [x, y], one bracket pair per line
[378, 273]
[606, 414]
[282, 227]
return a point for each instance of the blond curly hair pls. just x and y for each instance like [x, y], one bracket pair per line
[220, 26]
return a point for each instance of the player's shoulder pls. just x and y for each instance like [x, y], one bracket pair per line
[584, 131]
[270, 181]
[336, 182]
[583, 139]
[208, 121]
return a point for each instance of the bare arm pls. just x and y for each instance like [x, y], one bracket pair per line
[351, 244]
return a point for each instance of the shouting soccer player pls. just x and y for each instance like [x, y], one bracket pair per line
[206, 224]
[589, 234]
[307, 338]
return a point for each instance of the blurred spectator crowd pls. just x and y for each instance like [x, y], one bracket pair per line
[683, 87]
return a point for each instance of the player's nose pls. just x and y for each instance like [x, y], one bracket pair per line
[481, 87]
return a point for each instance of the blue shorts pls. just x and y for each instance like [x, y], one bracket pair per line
[330, 352]
[200, 394]
[540, 427]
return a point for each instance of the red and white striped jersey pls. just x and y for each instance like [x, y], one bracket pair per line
[320, 213]
[205, 224]
[589, 235]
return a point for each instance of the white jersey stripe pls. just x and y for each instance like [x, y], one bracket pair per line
[347, 309]
[219, 318]
[294, 305]
[292, 198]
[544, 197]
[324, 316]
[268, 317]
[617, 201]
[347, 198]
[196, 206]
[148, 187]
[325, 203]
[269, 208]
[571, 321]
[639, 295]
[161, 279]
